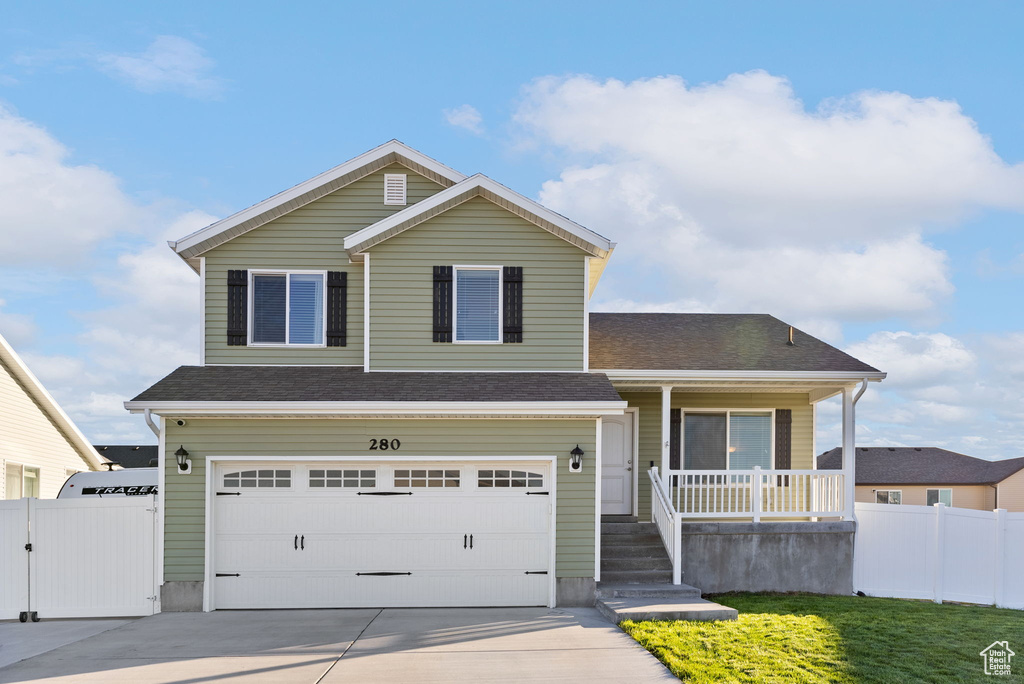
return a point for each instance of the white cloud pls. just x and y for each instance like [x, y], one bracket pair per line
[17, 329]
[466, 117]
[736, 195]
[169, 64]
[913, 360]
[53, 212]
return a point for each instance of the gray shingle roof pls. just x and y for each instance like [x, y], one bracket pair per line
[741, 342]
[334, 383]
[129, 455]
[921, 465]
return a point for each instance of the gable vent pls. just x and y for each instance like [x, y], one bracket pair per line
[394, 188]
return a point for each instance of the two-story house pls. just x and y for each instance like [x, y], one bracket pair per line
[404, 400]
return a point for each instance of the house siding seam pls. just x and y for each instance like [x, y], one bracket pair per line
[476, 232]
[28, 436]
[649, 427]
[184, 534]
[309, 237]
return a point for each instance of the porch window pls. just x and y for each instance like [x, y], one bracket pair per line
[944, 496]
[727, 440]
[888, 496]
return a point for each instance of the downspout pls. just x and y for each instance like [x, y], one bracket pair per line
[863, 387]
[155, 429]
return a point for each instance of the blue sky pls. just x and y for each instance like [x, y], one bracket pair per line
[854, 168]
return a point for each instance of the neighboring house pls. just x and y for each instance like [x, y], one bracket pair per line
[403, 400]
[40, 447]
[922, 476]
[129, 455]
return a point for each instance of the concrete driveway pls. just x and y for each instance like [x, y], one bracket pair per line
[332, 646]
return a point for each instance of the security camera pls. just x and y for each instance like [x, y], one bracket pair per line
[180, 422]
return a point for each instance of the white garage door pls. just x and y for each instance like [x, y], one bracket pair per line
[413, 534]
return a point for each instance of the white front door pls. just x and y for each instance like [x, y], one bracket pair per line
[617, 461]
[322, 535]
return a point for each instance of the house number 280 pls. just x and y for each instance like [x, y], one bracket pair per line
[384, 444]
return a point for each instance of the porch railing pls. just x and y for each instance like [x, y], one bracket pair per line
[756, 493]
[668, 522]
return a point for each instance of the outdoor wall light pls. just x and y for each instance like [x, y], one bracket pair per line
[576, 460]
[184, 464]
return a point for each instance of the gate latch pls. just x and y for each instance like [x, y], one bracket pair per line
[28, 547]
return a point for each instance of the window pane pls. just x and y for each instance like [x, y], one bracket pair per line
[268, 293]
[13, 485]
[306, 310]
[895, 497]
[704, 441]
[882, 497]
[946, 496]
[750, 437]
[932, 497]
[478, 300]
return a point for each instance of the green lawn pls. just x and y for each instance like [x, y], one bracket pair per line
[806, 638]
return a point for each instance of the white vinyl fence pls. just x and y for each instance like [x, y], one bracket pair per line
[940, 553]
[88, 557]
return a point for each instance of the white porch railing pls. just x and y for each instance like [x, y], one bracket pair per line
[756, 494]
[668, 522]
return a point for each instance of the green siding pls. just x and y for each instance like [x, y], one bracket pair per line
[310, 237]
[477, 232]
[185, 505]
[649, 418]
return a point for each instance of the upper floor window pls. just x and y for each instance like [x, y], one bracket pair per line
[288, 308]
[478, 304]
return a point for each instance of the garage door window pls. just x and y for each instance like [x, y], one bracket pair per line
[342, 478]
[427, 478]
[509, 478]
[261, 479]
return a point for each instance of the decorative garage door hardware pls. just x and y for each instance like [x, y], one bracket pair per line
[228, 574]
[300, 544]
[536, 572]
[384, 493]
[464, 541]
[381, 574]
[229, 493]
[542, 493]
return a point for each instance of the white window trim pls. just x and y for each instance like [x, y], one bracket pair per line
[287, 308]
[940, 490]
[889, 491]
[23, 466]
[455, 303]
[682, 431]
[405, 188]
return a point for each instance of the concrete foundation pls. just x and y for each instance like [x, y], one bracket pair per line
[815, 557]
[181, 597]
[575, 591]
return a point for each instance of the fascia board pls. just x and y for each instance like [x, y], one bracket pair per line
[419, 408]
[617, 375]
[358, 240]
[387, 148]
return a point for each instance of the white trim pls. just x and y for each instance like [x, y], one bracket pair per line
[770, 412]
[356, 242]
[287, 273]
[392, 146]
[586, 314]
[597, 498]
[291, 365]
[667, 376]
[666, 433]
[161, 506]
[463, 370]
[211, 479]
[27, 379]
[397, 408]
[202, 311]
[366, 313]
[455, 303]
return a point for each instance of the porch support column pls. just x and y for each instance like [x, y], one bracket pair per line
[666, 434]
[849, 468]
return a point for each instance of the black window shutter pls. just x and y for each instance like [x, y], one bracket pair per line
[512, 301]
[442, 303]
[783, 443]
[238, 306]
[675, 425]
[337, 308]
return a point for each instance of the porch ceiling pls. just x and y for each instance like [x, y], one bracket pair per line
[817, 391]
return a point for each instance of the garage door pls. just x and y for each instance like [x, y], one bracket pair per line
[321, 535]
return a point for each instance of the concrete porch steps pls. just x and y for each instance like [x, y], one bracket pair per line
[665, 590]
[697, 609]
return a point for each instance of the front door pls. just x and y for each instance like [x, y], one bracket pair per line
[617, 461]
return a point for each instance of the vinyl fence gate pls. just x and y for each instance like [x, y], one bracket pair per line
[62, 558]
